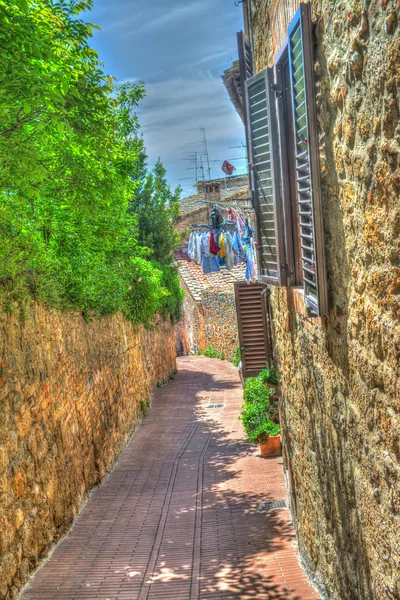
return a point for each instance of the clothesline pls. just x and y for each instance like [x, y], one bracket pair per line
[236, 207]
[221, 247]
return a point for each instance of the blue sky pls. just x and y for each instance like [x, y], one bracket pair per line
[180, 50]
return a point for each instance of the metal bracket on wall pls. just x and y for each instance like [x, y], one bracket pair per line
[276, 88]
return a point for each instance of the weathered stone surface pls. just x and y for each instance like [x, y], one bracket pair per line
[70, 397]
[341, 376]
[209, 320]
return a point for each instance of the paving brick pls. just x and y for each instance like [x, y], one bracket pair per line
[178, 517]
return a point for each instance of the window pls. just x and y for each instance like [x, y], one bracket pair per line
[264, 161]
[284, 166]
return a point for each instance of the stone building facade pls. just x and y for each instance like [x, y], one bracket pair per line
[340, 373]
[209, 308]
[228, 191]
[71, 394]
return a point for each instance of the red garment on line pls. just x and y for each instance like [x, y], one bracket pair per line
[214, 248]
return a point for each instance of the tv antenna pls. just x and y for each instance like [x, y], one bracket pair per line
[203, 141]
[196, 159]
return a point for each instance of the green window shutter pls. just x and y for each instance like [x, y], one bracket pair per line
[264, 162]
[307, 162]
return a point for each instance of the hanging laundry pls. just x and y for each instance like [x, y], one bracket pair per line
[191, 245]
[209, 264]
[197, 249]
[237, 248]
[229, 253]
[250, 261]
[214, 248]
[208, 260]
[205, 243]
[221, 243]
[249, 233]
[239, 228]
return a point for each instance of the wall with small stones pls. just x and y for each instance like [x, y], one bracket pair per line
[190, 333]
[71, 394]
[185, 221]
[340, 376]
[209, 321]
[220, 321]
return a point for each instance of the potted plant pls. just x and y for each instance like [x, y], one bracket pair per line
[270, 377]
[260, 416]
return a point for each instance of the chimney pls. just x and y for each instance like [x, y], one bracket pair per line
[212, 191]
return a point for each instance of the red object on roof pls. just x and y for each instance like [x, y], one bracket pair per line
[227, 167]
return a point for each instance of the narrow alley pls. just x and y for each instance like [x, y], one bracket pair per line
[186, 512]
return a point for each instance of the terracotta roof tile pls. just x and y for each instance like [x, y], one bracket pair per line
[196, 281]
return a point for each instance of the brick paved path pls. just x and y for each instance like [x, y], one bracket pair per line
[180, 516]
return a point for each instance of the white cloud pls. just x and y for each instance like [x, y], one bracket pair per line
[206, 59]
[173, 16]
[174, 106]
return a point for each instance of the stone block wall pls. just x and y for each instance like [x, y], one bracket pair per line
[220, 321]
[210, 321]
[71, 394]
[340, 376]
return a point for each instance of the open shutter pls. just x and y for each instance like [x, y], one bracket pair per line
[307, 162]
[254, 327]
[245, 58]
[264, 160]
[246, 71]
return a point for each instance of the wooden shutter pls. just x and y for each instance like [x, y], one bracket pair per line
[254, 327]
[245, 58]
[307, 162]
[264, 159]
[246, 71]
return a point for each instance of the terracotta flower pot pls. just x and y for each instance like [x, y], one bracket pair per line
[272, 447]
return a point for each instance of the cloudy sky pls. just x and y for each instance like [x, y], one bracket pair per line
[180, 50]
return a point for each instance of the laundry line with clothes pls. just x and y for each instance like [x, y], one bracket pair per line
[224, 242]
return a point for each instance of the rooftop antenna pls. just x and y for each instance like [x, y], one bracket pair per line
[204, 142]
[201, 168]
[196, 158]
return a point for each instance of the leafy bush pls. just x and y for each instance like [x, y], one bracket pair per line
[83, 224]
[236, 358]
[211, 352]
[269, 375]
[259, 413]
[255, 390]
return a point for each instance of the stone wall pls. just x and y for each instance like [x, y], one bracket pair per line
[190, 334]
[185, 221]
[340, 376]
[71, 394]
[210, 321]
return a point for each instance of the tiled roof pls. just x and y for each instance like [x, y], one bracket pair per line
[197, 201]
[196, 281]
[231, 192]
[224, 179]
[191, 203]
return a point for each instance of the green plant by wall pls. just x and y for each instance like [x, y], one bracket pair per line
[211, 352]
[269, 375]
[144, 406]
[259, 413]
[236, 358]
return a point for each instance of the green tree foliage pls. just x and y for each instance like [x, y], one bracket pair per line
[156, 207]
[71, 161]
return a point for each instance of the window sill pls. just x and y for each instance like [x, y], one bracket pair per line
[296, 300]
